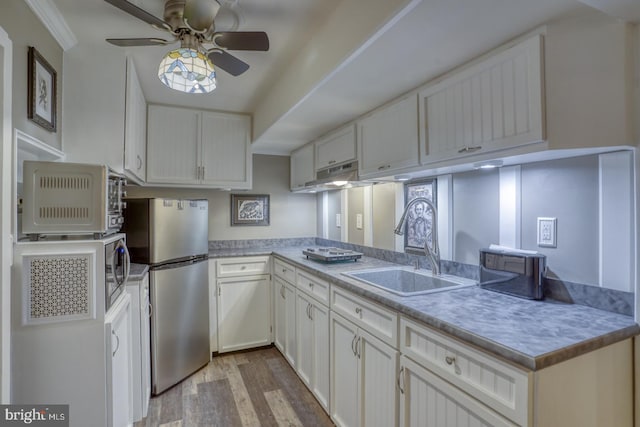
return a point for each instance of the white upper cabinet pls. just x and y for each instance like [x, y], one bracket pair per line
[496, 103]
[302, 168]
[191, 148]
[173, 145]
[336, 147]
[226, 150]
[135, 127]
[388, 138]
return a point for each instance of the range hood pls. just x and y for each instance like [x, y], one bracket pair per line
[336, 177]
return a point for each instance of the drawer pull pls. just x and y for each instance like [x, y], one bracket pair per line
[284, 270]
[383, 167]
[467, 149]
[244, 267]
[452, 361]
[311, 285]
[359, 311]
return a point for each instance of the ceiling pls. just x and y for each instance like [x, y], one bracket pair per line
[330, 61]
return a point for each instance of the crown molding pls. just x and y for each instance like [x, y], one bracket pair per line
[53, 20]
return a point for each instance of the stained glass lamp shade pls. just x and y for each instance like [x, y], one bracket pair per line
[187, 70]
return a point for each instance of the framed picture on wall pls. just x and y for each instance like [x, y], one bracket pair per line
[419, 220]
[42, 88]
[249, 209]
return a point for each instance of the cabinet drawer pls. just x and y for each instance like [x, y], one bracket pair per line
[314, 286]
[242, 266]
[284, 270]
[500, 386]
[377, 320]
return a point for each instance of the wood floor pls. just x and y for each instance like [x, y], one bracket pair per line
[254, 388]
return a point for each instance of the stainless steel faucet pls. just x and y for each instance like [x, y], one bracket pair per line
[433, 253]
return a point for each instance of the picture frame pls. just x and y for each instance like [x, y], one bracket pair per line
[42, 91]
[419, 224]
[250, 209]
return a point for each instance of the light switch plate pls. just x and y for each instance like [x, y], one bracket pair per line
[547, 228]
[338, 220]
[359, 221]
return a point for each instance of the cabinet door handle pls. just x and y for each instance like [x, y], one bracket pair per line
[150, 310]
[139, 161]
[282, 291]
[401, 380]
[383, 167]
[467, 149]
[358, 347]
[117, 343]
[202, 177]
[353, 345]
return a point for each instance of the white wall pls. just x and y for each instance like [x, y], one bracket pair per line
[25, 30]
[291, 214]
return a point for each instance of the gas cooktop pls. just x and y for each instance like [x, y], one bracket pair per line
[330, 254]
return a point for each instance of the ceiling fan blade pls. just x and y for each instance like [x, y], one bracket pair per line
[228, 62]
[138, 42]
[139, 13]
[242, 40]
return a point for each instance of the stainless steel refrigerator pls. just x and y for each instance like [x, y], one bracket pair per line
[172, 237]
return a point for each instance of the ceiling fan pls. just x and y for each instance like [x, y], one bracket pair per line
[192, 23]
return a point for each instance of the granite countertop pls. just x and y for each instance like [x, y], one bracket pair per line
[532, 334]
[137, 271]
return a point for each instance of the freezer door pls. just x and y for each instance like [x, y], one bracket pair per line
[179, 323]
[177, 229]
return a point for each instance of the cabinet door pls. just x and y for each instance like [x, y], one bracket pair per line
[378, 382]
[118, 346]
[304, 334]
[345, 371]
[301, 167]
[226, 150]
[244, 317]
[428, 401]
[492, 105]
[335, 148]
[280, 315]
[320, 344]
[145, 342]
[172, 145]
[290, 352]
[388, 138]
[135, 127]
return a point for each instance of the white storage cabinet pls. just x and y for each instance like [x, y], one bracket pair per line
[337, 147]
[193, 148]
[302, 168]
[364, 362]
[388, 138]
[138, 291]
[135, 127]
[312, 314]
[243, 303]
[284, 294]
[494, 104]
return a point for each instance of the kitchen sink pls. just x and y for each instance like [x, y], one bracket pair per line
[407, 281]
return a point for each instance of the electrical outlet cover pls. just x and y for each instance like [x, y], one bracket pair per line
[338, 220]
[547, 228]
[359, 221]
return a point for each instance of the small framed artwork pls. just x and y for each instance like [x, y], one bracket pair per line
[420, 219]
[249, 209]
[42, 91]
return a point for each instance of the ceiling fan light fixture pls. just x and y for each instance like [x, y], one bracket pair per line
[187, 70]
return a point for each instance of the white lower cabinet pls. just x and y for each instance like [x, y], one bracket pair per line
[138, 290]
[244, 313]
[426, 400]
[118, 346]
[363, 377]
[312, 327]
[284, 295]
